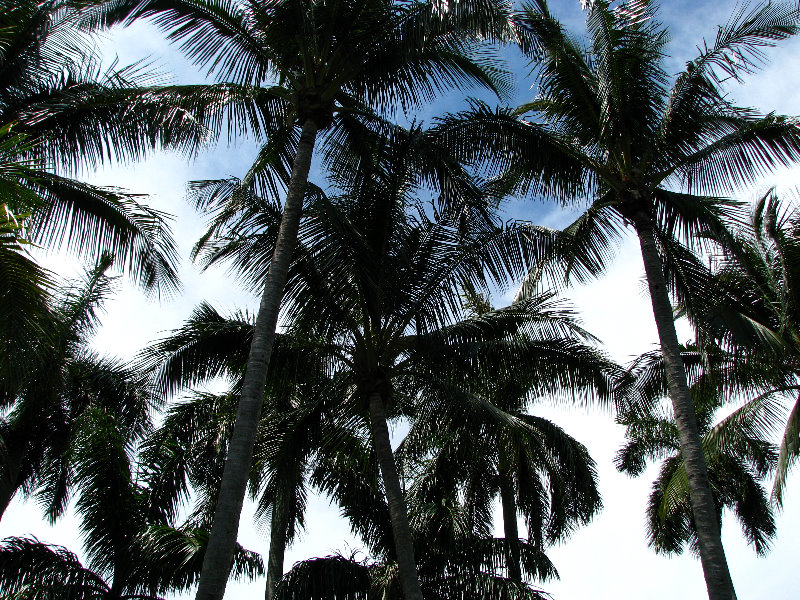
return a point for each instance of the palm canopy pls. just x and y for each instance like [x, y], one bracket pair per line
[333, 63]
[738, 450]
[303, 425]
[377, 282]
[60, 111]
[329, 56]
[132, 548]
[315, 60]
[454, 562]
[753, 313]
[610, 124]
[535, 467]
[64, 381]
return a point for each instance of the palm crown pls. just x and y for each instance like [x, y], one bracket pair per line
[64, 382]
[753, 313]
[612, 125]
[738, 450]
[60, 111]
[309, 60]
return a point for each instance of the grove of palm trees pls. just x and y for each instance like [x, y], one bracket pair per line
[344, 299]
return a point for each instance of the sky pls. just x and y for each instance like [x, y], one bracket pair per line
[609, 557]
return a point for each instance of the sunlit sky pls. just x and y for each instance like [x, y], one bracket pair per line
[608, 558]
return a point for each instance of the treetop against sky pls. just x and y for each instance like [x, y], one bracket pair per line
[609, 558]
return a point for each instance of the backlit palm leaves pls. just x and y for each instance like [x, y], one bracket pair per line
[538, 471]
[60, 111]
[738, 453]
[49, 408]
[650, 151]
[132, 549]
[754, 313]
[304, 427]
[320, 61]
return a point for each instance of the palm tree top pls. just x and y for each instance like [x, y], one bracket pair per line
[325, 56]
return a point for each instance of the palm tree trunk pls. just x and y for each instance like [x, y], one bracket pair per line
[510, 528]
[221, 544]
[277, 546]
[403, 543]
[712, 554]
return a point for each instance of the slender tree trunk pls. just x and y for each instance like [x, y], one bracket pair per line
[222, 541]
[403, 543]
[712, 554]
[277, 546]
[510, 528]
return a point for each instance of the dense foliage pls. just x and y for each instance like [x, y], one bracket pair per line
[375, 282]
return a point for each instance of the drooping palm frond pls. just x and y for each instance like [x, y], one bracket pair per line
[24, 294]
[167, 559]
[208, 345]
[754, 316]
[737, 449]
[31, 569]
[63, 382]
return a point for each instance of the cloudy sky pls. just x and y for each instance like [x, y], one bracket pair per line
[609, 558]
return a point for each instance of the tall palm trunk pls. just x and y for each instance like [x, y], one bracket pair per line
[221, 544]
[403, 543]
[277, 545]
[706, 520]
[510, 528]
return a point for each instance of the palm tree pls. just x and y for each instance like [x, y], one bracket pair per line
[377, 282]
[535, 467]
[753, 312]
[322, 63]
[738, 454]
[302, 423]
[132, 549]
[610, 124]
[453, 564]
[65, 381]
[455, 558]
[59, 111]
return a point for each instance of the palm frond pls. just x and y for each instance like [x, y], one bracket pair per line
[789, 449]
[32, 569]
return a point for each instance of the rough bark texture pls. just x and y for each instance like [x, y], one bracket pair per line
[403, 543]
[277, 547]
[510, 528]
[712, 554]
[221, 544]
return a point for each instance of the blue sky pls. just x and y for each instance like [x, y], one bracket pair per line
[609, 558]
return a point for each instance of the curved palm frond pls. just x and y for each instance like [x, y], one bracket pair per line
[32, 569]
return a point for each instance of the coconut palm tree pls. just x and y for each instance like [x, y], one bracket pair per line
[303, 421]
[537, 469]
[738, 454]
[324, 63]
[377, 282]
[132, 550]
[60, 111]
[753, 313]
[651, 152]
[65, 381]
[456, 558]
[453, 564]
